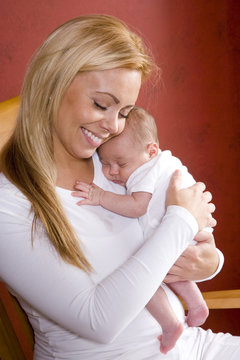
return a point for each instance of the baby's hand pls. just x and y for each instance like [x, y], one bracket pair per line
[91, 193]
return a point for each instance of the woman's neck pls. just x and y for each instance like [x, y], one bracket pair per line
[71, 171]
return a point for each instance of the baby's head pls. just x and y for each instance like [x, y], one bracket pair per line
[136, 145]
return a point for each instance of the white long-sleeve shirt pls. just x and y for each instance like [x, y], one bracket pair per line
[102, 316]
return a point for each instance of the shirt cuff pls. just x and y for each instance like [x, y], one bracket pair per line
[192, 222]
[220, 265]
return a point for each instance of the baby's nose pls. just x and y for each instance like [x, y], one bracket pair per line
[114, 170]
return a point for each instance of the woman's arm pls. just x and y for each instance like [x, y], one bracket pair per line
[198, 262]
[67, 295]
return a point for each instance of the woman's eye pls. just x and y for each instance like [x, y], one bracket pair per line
[100, 106]
[123, 116]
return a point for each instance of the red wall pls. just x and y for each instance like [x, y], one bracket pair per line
[196, 106]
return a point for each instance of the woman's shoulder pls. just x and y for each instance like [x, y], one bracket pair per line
[5, 184]
[8, 192]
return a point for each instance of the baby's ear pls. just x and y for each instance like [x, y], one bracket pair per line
[152, 150]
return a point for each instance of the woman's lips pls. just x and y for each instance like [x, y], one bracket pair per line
[92, 139]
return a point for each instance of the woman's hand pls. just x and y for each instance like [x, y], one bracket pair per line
[197, 262]
[193, 198]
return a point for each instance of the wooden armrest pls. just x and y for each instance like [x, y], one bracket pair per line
[223, 299]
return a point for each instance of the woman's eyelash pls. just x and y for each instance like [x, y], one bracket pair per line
[123, 116]
[105, 108]
[100, 106]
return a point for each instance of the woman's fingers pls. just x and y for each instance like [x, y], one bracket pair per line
[207, 196]
[211, 221]
[200, 186]
[176, 180]
[194, 198]
[211, 207]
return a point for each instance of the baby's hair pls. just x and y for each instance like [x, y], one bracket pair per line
[143, 126]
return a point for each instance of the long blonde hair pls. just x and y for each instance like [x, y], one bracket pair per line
[86, 43]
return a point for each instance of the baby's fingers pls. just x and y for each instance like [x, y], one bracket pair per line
[82, 186]
[84, 202]
[82, 194]
[83, 190]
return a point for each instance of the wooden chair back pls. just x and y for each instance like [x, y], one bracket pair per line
[16, 334]
[8, 113]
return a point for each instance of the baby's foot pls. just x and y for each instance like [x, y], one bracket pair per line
[197, 315]
[169, 337]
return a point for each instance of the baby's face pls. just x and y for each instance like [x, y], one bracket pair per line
[120, 157]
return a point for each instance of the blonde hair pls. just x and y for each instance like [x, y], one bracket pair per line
[86, 43]
[142, 126]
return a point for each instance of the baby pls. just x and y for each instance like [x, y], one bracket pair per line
[133, 159]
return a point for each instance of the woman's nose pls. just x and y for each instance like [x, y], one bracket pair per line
[111, 122]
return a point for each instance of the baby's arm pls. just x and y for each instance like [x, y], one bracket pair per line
[134, 205]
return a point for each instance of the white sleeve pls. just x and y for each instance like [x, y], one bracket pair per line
[188, 180]
[220, 265]
[67, 295]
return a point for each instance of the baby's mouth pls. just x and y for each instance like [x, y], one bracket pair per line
[119, 182]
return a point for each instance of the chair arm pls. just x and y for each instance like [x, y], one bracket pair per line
[223, 299]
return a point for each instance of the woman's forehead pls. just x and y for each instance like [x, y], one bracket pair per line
[123, 85]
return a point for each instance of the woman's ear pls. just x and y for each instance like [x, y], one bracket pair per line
[152, 150]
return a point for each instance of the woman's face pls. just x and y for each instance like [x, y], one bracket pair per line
[93, 110]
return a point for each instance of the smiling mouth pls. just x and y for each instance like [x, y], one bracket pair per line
[93, 138]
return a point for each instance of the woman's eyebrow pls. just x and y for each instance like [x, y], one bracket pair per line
[112, 96]
[116, 100]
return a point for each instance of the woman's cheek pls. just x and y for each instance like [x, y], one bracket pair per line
[121, 126]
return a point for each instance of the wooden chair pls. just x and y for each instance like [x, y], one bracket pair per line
[8, 113]
[16, 334]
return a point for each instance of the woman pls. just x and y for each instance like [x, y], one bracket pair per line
[84, 275]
